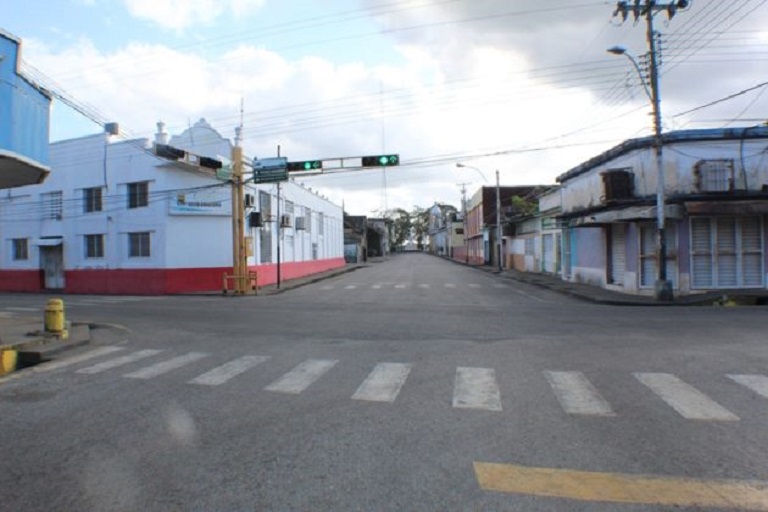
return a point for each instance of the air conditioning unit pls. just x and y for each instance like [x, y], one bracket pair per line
[618, 184]
[301, 223]
[249, 201]
[255, 220]
[285, 221]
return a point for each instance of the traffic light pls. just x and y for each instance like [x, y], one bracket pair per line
[308, 165]
[210, 163]
[169, 152]
[381, 160]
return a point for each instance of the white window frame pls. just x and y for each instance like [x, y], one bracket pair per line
[139, 251]
[98, 240]
[740, 252]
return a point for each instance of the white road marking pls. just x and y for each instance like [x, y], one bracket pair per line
[166, 366]
[476, 388]
[450, 285]
[473, 285]
[424, 286]
[227, 371]
[55, 365]
[577, 395]
[383, 383]
[528, 295]
[24, 309]
[757, 383]
[301, 377]
[350, 287]
[376, 287]
[684, 398]
[119, 361]
[400, 286]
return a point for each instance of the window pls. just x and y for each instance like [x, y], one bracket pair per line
[727, 252]
[138, 245]
[94, 246]
[138, 194]
[529, 247]
[320, 223]
[52, 205]
[92, 200]
[289, 208]
[314, 251]
[308, 221]
[20, 249]
[714, 175]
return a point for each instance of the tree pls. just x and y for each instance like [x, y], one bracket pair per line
[419, 225]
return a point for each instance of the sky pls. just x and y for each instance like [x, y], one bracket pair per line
[522, 87]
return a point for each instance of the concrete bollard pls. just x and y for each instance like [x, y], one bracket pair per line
[54, 318]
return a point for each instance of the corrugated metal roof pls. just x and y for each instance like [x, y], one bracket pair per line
[681, 136]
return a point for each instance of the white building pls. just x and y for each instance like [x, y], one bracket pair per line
[114, 218]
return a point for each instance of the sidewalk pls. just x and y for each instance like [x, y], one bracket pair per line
[598, 295]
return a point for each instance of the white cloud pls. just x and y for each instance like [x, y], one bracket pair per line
[181, 14]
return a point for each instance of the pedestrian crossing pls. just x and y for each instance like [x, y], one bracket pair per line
[474, 388]
[75, 301]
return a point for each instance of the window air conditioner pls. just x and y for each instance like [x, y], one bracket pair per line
[301, 223]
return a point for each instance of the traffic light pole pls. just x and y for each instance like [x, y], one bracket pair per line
[239, 258]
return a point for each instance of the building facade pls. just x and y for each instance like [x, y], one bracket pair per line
[716, 189]
[114, 218]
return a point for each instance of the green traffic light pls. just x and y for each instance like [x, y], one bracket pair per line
[383, 160]
[307, 166]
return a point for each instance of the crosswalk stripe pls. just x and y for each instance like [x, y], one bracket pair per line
[55, 365]
[424, 286]
[383, 384]
[757, 383]
[119, 361]
[228, 371]
[476, 388]
[577, 395]
[376, 287]
[473, 285]
[350, 287]
[166, 366]
[301, 377]
[400, 286]
[684, 398]
[450, 285]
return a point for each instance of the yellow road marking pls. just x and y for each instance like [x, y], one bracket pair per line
[622, 488]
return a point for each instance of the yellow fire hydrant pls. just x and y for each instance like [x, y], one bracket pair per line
[54, 318]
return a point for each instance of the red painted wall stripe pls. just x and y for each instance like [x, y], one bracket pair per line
[158, 281]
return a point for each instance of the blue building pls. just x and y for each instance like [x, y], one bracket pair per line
[24, 120]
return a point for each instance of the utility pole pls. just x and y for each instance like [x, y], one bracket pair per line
[463, 187]
[498, 220]
[663, 288]
[239, 255]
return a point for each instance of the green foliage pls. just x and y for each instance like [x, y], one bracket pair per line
[524, 207]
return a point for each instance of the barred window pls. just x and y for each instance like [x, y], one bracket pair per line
[94, 246]
[138, 245]
[92, 200]
[52, 205]
[20, 249]
[138, 194]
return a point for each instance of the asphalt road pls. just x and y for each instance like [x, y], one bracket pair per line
[412, 384]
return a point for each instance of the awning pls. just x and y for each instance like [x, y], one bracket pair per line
[628, 214]
[18, 171]
[49, 242]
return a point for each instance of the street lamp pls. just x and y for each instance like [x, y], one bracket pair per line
[498, 211]
[663, 290]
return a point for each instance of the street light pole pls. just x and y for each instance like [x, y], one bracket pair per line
[663, 289]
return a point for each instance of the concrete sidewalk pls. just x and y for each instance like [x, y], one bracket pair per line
[599, 295]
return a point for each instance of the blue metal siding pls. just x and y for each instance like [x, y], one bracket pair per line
[24, 108]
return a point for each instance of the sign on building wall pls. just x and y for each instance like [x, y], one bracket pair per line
[216, 201]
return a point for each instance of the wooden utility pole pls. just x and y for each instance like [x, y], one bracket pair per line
[239, 254]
